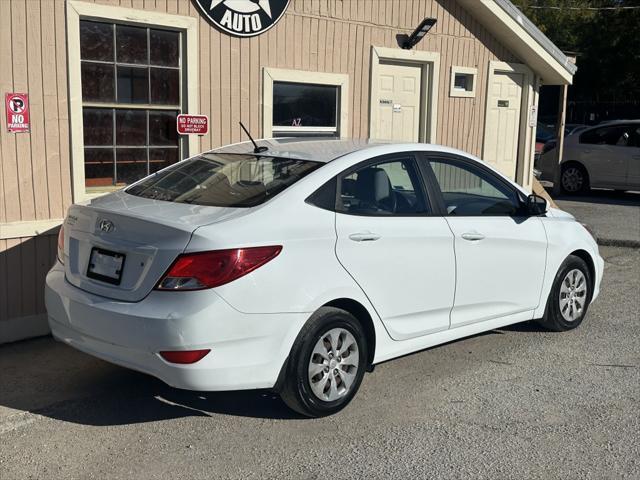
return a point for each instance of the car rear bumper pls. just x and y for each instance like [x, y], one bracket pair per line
[247, 350]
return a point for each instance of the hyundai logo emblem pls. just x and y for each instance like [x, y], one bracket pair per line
[106, 226]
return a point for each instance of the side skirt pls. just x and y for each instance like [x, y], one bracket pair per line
[393, 349]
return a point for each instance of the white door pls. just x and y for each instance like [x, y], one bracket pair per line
[500, 255]
[503, 122]
[398, 102]
[402, 259]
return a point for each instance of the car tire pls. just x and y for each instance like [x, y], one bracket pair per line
[570, 296]
[320, 379]
[574, 179]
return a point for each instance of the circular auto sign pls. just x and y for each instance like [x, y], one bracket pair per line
[243, 18]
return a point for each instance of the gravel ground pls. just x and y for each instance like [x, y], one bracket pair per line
[514, 403]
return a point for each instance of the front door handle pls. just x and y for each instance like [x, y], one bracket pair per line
[473, 236]
[364, 237]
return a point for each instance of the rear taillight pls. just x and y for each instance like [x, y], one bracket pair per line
[61, 244]
[197, 271]
[184, 356]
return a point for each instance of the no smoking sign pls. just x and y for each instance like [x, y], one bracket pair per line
[17, 108]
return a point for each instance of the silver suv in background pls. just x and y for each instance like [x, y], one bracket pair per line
[604, 156]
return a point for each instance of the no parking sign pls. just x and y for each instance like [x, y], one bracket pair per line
[17, 107]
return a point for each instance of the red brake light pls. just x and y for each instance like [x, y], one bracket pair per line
[197, 271]
[61, 244]
[184, 356]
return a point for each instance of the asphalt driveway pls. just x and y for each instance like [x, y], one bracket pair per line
[513, 403]
[615, 216]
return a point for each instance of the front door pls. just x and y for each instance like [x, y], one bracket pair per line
[500, 254]
[402, 258]
[503, 122]
[398, 103]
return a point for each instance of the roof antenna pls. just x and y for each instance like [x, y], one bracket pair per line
[256, 148]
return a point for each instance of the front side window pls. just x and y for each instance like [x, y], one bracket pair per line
[618, 135]
[469, 191]
[131, 82]
[305, 109]
[387, 188]
[224, 180]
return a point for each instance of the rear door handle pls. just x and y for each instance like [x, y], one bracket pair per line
[364, 237]
[473, 236]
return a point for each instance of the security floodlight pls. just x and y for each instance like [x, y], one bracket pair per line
[413, 39]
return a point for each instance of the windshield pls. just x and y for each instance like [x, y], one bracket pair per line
[223, 180]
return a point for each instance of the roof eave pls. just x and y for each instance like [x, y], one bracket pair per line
[513, 29]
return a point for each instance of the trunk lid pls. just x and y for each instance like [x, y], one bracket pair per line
[147, 235]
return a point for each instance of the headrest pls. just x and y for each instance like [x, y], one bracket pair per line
[373, 185]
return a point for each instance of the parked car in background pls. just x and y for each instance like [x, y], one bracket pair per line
[298, 265]
[604, 156]
[570, 129]
[543, 135]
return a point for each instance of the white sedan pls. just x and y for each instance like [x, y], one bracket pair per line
[299, 265]
[605, 156]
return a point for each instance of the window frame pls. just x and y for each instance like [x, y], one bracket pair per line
[413, 156]
[622, 126]
[459, 161]
[468, 71]
[77, 11]
[339, 80]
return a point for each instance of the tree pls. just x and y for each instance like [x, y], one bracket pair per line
[605, 35]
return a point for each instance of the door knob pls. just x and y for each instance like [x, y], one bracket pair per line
[364, 237]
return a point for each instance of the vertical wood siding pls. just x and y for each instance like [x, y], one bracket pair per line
[316, 35]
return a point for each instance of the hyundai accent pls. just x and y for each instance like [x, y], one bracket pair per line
[297, 265]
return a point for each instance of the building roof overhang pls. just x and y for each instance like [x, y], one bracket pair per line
[510, 26]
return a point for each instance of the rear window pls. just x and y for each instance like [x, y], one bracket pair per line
[223, 180]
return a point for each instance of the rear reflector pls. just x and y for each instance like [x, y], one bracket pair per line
[197, 271]
[184, 356]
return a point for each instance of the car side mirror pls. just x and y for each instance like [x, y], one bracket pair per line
[536, 205]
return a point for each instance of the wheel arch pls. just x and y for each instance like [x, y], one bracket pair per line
[586, 256]
[361, 313]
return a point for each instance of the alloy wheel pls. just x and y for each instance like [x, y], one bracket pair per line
[573, 295]
[572, 179]
[333, 365]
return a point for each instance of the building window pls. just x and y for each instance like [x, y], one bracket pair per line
[463, 82]
[131, 94]
[301, 109]
[301, 104]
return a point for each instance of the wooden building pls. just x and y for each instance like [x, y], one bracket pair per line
[105, 82]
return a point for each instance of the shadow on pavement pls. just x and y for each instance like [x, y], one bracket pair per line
[50, 379]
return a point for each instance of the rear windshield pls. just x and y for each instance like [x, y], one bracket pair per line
[223, 180]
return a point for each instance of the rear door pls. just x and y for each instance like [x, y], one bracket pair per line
[633, 169]
[399, 253]
[500, 253]
[605, 152]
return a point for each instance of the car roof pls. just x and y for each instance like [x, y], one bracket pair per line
[617, 122]
[327, 149]
[302, 148]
